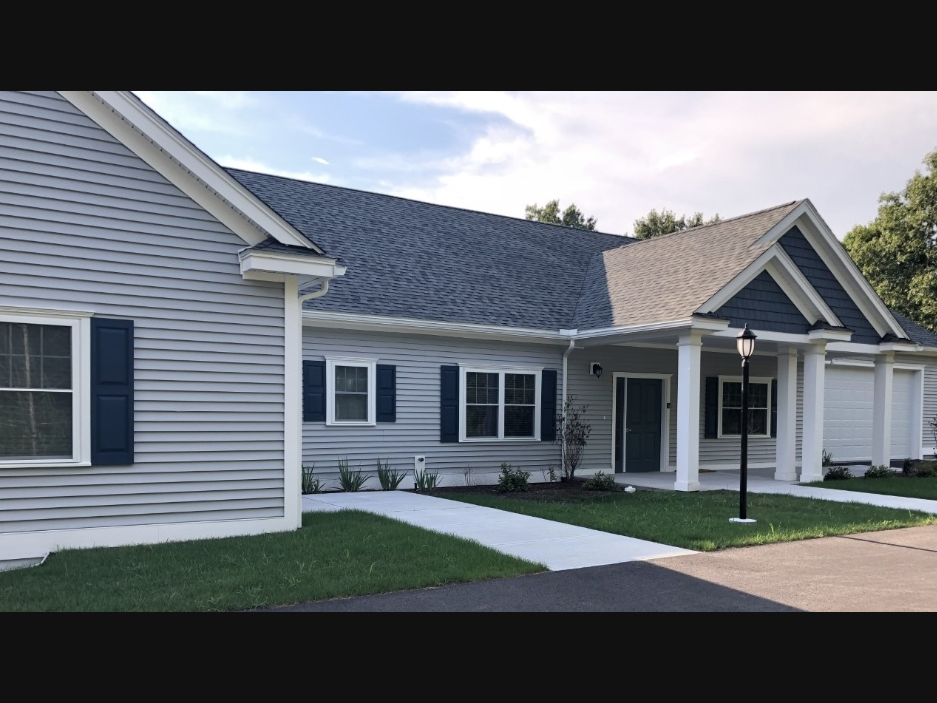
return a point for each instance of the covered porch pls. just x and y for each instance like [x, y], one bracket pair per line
[664, 406]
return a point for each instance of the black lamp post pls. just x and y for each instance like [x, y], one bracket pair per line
[746, 346]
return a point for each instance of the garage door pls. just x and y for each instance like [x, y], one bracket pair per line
[848, 413]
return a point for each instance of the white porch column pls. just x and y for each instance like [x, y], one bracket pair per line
[688, 412]
[814, 381]
[786, 461]
[881, 410]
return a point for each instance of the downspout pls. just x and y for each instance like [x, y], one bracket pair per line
[323, 289]
[572, 345]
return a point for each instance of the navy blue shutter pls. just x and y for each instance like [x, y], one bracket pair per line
[774, 408]
[313, 391]
[712, 407]
[449, 404]
[111, 392]
[548, 406]
[386, 393]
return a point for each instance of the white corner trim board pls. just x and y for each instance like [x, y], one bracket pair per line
[151, 138]
[292, 399]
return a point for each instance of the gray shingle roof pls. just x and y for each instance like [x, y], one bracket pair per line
[430, 262]
[670, 277]
[915, 332]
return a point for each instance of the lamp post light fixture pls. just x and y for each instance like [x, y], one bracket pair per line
[745, 343]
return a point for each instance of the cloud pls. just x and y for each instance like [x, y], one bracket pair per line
[250, 164]
[320, 160]
[201, 111]
[617, 155]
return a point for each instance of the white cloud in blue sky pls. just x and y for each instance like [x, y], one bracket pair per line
[617, 155]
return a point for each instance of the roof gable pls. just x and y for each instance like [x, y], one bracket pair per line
[822, 279]
[763, 305]
[151, 138]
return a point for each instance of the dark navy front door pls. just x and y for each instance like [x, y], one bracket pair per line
[638, 430]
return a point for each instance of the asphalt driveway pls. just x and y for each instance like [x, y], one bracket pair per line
[883, 571]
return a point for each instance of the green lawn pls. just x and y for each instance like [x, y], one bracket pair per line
[700, 521]
[905, 487]
[333, 555]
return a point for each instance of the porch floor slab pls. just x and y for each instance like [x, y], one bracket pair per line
[761, 481]
[556, 545]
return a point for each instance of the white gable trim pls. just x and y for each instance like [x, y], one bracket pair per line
[788, 277]
[142, 131]
[844, 269]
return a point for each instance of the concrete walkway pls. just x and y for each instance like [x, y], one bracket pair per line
[556, 545]
[760, 481]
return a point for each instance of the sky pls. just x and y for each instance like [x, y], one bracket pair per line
[615, 155]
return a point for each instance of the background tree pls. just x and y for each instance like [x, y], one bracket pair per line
[550, 213]
[666, 222]
[897, 251]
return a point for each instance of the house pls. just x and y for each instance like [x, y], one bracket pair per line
[176, 339]
[455, 335]
[149, 333]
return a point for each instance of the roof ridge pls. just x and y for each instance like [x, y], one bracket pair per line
[715, 224]
[448, 207]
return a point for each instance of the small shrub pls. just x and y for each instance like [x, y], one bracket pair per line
[425, 481]
[513, 480]
[925, 469]
[550, 474]
[602, 482]
[350, 480]
[907, 467]
[390, 479]
[838, 473]
[467, 476]
[311, 484]
[879, 472]
[827, 458]
[572, 433]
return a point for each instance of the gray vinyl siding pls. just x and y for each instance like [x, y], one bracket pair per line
[764, 306]
[597, 394]
[87, 225]
[416, 432]
[930, 404]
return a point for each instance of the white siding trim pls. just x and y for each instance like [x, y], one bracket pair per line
[371, 365]
[25, 545]
[292, 398]
[81, 386]
[537, 372]
[667, 379]
[738, 379]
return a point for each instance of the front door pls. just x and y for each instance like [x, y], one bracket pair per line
[640, 406]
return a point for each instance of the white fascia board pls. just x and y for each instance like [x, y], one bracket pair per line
[694, 324]
[378, 323]
[142, 131]
[852, 348]
[845, 270]
[261, 265]
[829, 335]
[906, 348]
[779, 337]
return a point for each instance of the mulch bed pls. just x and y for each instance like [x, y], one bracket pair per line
[557, 492]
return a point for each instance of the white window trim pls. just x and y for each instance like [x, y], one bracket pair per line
[536, 371]
[371, 366]
[738, 379]
[80, 324]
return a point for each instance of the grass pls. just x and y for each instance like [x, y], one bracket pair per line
[333, 555]
[700, 521]
[905, 487]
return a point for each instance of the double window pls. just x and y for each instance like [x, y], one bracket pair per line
[42, 414]
[730, 407]
[351, 398]
[500, 403]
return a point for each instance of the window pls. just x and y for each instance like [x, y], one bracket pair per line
[500, 404]
[42, 417]
[730, 407]
[351, 384]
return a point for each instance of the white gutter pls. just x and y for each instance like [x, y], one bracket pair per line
[569, 350]
[323, 289]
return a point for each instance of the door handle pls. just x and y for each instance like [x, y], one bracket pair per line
[627, 429]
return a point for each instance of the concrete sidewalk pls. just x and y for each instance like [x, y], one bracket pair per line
[556, 545]
[760, 481]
